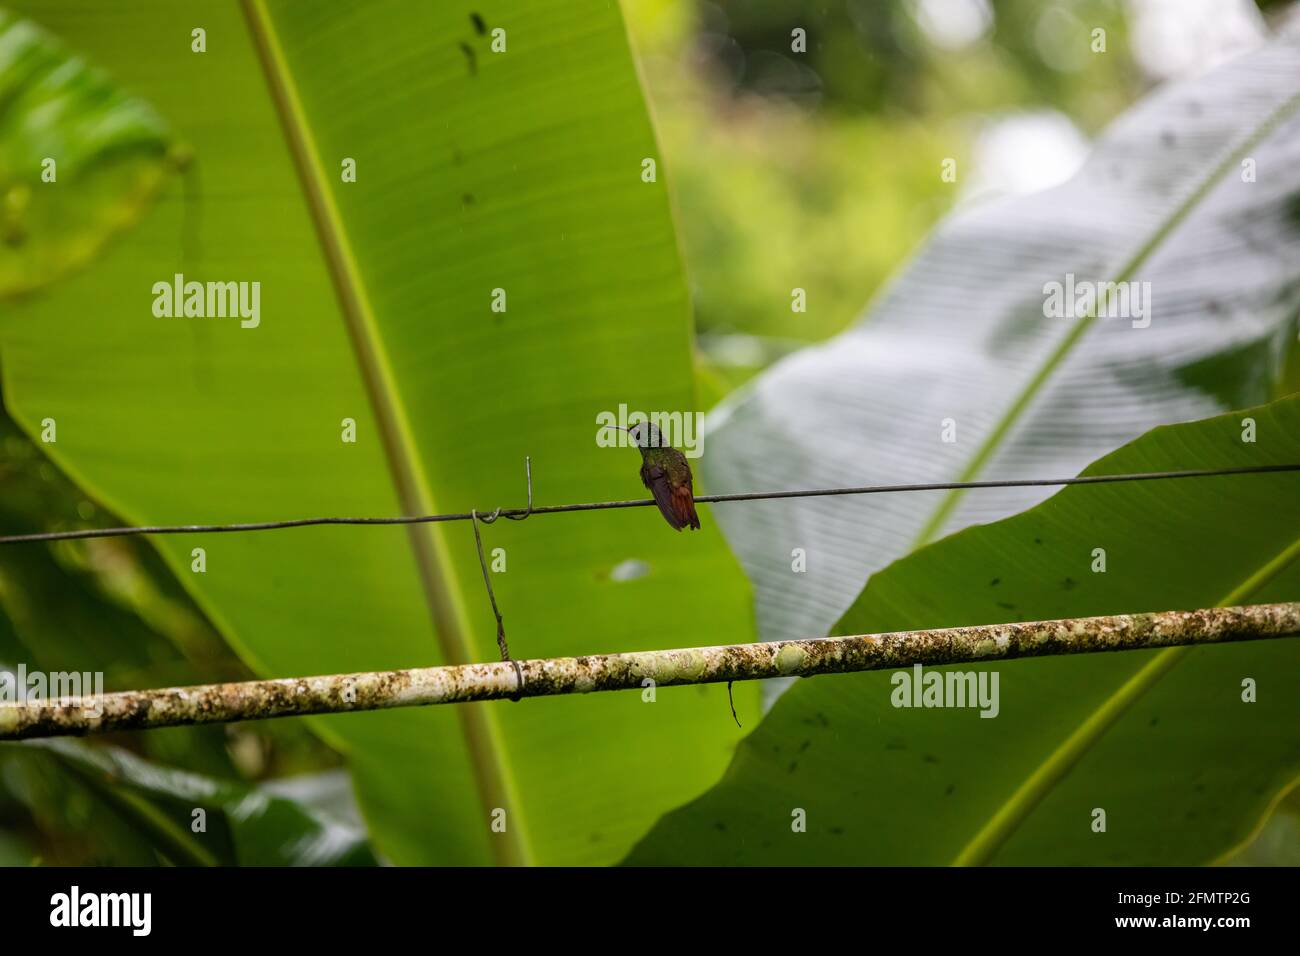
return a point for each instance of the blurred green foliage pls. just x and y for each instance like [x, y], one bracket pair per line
[911, 59]
[822, 171]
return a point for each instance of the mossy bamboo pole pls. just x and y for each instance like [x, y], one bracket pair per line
[338, 693]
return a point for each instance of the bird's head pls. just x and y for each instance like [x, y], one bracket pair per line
[645, 435]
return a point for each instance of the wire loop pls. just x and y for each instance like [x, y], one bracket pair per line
[528, 473]
[475, 518]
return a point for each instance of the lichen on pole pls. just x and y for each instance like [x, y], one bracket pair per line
[339, 693]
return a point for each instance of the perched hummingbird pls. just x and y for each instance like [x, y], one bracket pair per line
[665, 472]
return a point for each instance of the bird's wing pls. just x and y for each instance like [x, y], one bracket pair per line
[655, 478]
[676, 502]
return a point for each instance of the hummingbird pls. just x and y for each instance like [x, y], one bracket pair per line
[665, 472]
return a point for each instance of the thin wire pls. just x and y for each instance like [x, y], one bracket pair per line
[521, 513]
[475, 518]
[502, 646]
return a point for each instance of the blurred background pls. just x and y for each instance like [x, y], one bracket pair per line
[822, 169]
[788, 170]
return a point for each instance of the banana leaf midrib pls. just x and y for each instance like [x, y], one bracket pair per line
[437, 575]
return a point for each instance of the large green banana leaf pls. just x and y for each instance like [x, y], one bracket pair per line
[1164, 742]
[475, 171]
[1193, 191]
